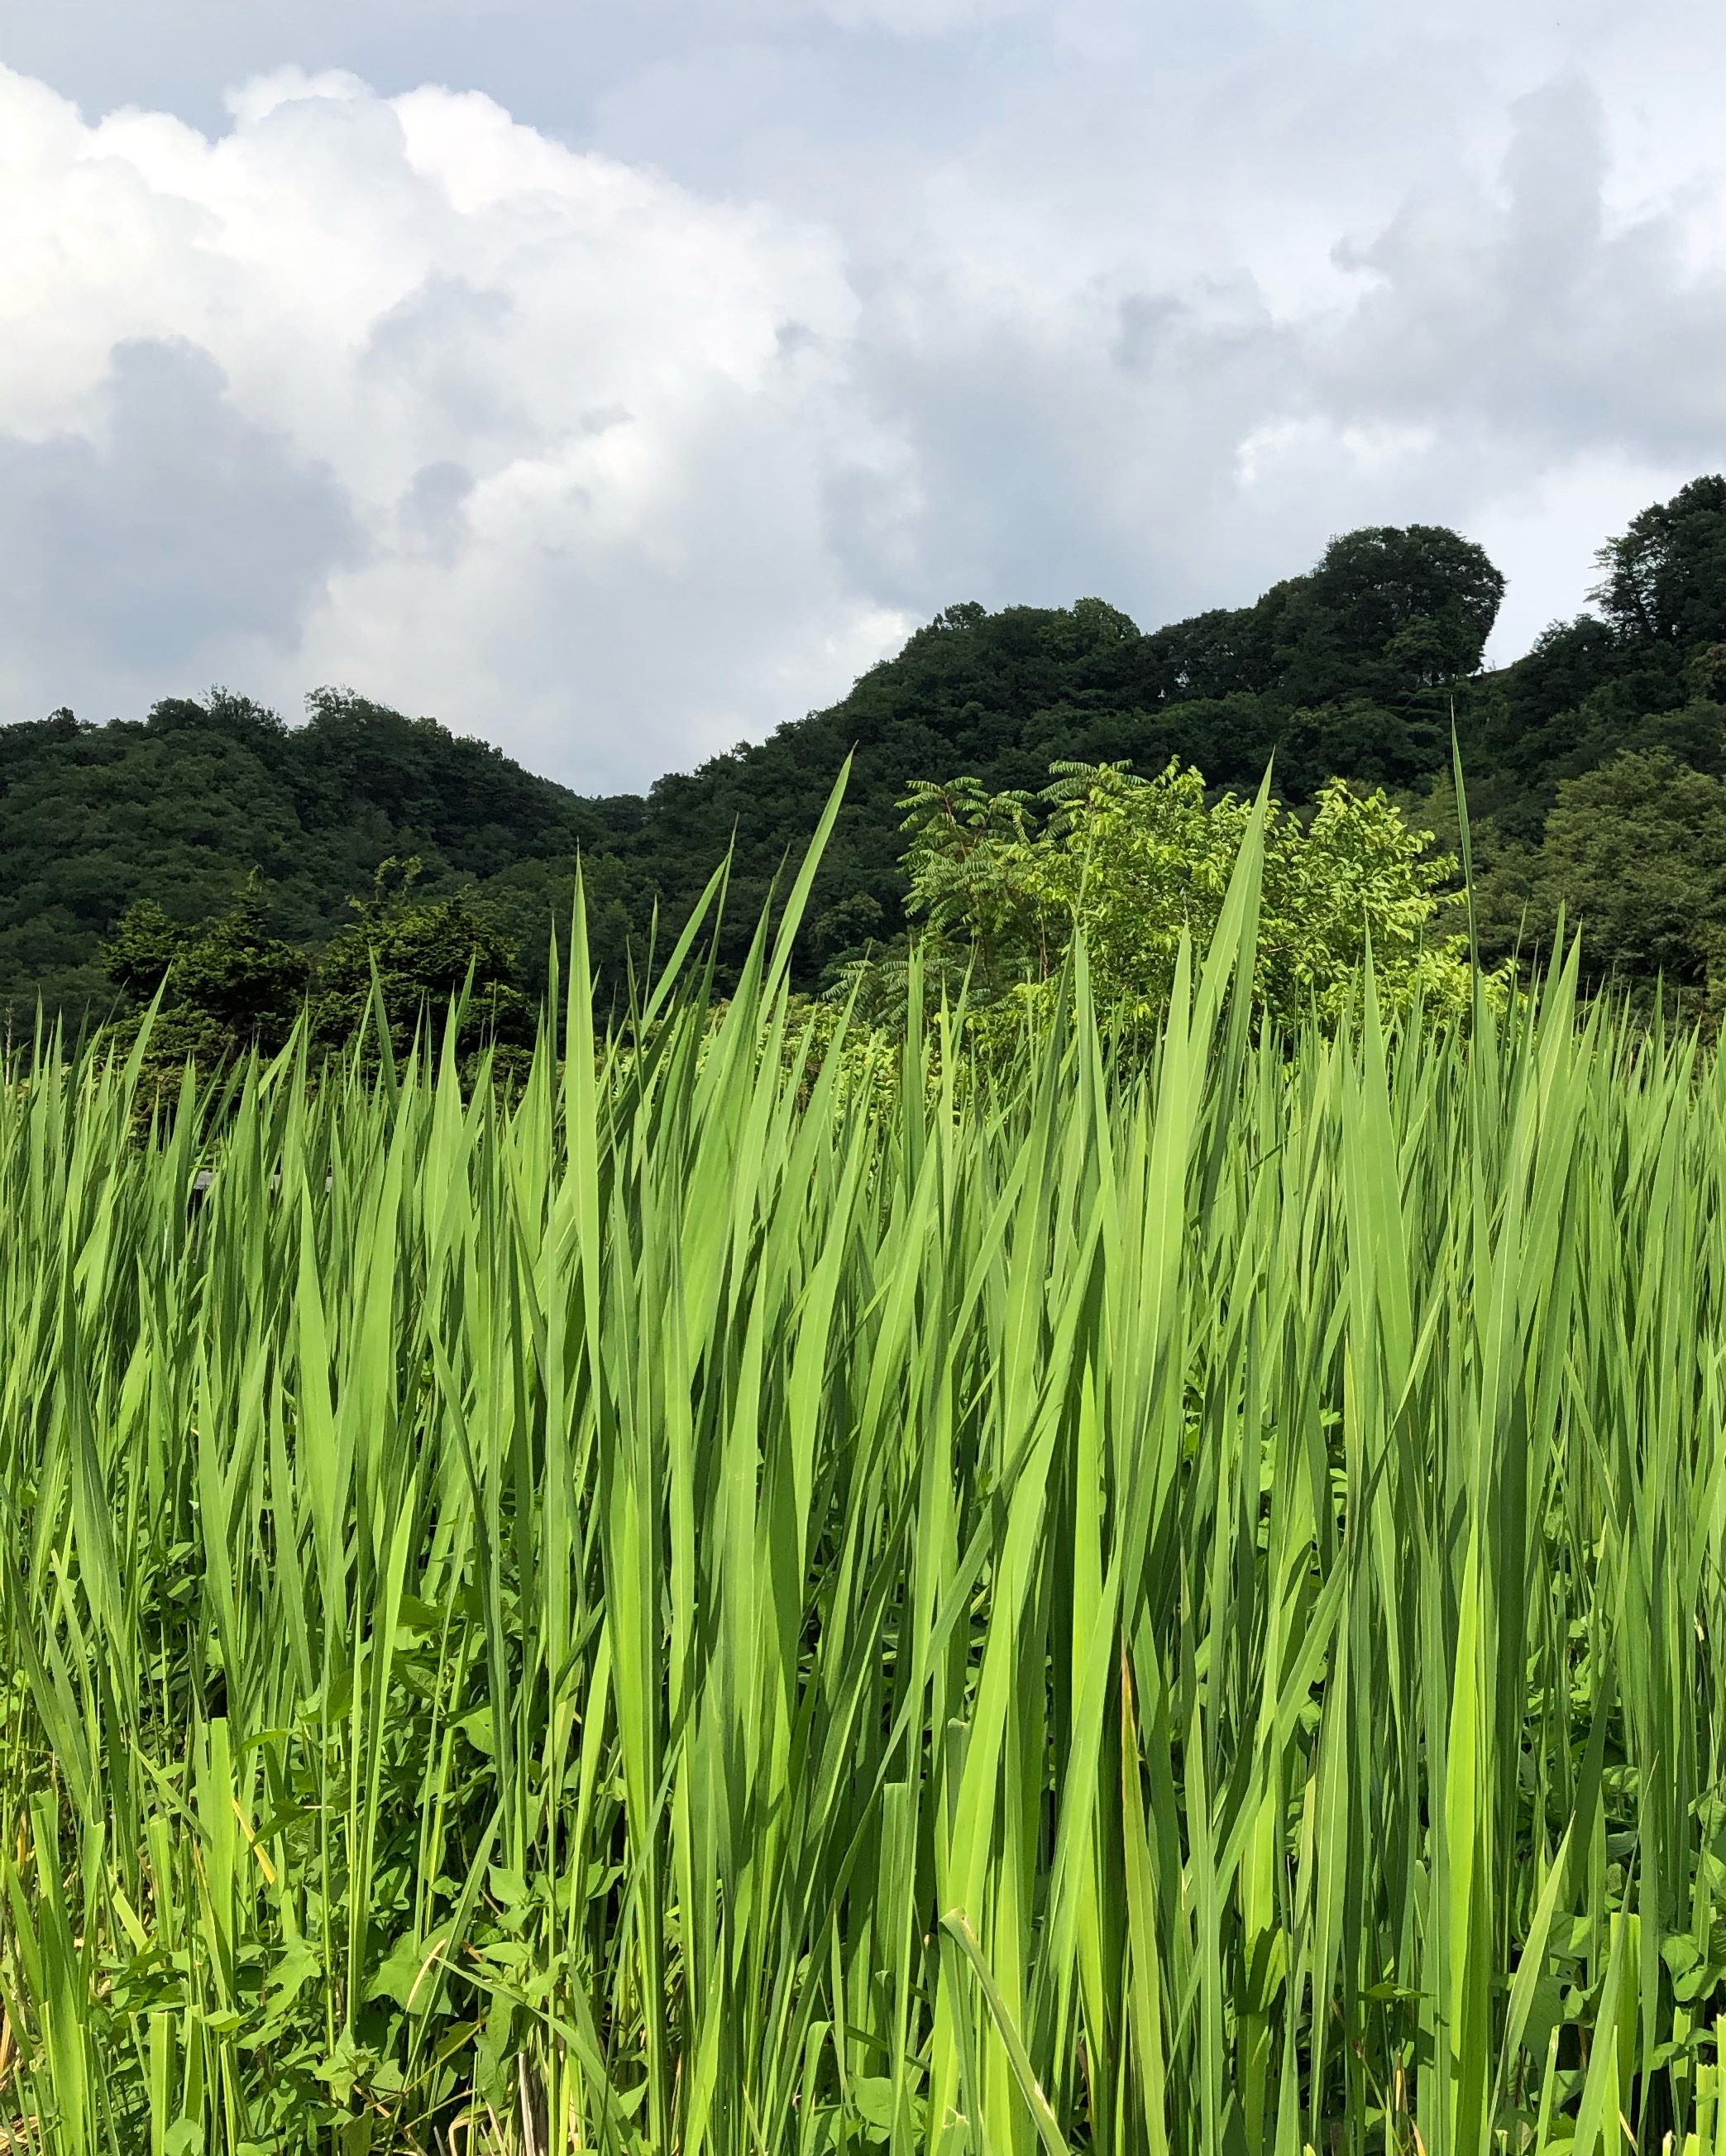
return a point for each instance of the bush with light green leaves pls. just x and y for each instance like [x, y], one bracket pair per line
[1005, 882]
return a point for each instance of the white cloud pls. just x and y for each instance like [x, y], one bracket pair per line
[550, 434]
[259, 95]
[615, 454]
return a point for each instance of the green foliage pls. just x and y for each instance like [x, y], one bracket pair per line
[1665, 579]
[180, 808]
[1140, 867]
[1637, 848]
[225, 985]
[676, 1611]
[1357, 670]
[1387, 614]
[1348, 670]
[423, 955]
[228, 985]
[1634, 856]
[1594, 686]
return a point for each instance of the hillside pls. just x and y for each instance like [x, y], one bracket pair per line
[1611, 725]
[181, 806]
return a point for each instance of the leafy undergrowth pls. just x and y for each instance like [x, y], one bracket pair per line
[695, 1606]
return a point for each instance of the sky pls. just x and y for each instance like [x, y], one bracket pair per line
[617, 379]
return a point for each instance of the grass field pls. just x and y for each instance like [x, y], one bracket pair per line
[693, 1608]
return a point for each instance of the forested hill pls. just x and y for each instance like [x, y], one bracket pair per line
[1595, 765]
[181, 807]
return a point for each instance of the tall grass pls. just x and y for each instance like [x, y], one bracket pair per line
[687, 1609]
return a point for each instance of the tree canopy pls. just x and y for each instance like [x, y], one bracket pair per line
[1005, 882]
[1356, 670]
[214, 991]
[420, 958]
[1665, 578]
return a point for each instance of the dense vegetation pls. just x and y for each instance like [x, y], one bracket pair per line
[1134, 866]
[699, 1606]
[1109, 1538]
[181, 809]
[1596, 767]
[210, 991]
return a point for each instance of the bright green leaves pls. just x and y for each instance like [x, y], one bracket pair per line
[1132, 864]
[523, 1616]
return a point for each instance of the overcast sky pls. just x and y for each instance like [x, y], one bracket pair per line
[618, 378]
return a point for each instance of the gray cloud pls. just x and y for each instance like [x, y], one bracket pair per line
[440, 346]
[183, 521]
[801, 318]
[1531, 316]
[433, 511]
[1506, 349]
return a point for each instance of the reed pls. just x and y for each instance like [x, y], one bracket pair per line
[693, 1607]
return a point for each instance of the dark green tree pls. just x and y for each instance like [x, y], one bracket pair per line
[1665, 578]
[424, 955]
[1354, 668]
[1635, 850]
[178, 807]
[1387, 614]
[226, 985]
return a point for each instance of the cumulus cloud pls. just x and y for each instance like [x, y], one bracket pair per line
[1528, 313]
[616, 453]
[181, 522]
[399, 393]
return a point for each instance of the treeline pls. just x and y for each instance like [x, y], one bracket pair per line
[1596, 767]
[183, 808]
